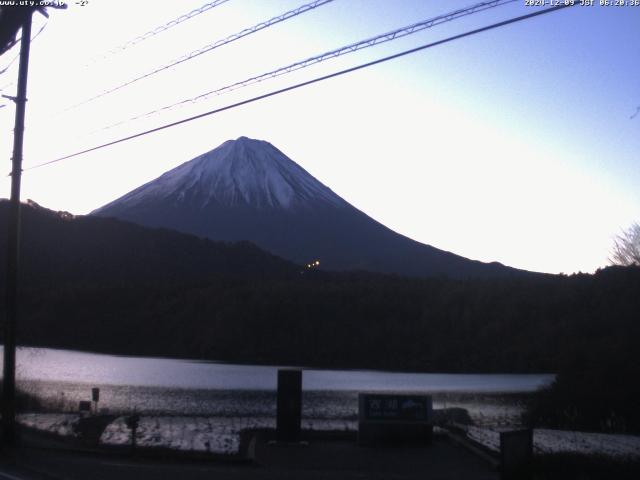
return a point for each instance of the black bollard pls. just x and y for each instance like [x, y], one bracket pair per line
[516, 452]
[289, 405]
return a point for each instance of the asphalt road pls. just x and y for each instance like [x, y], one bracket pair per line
[324, 460]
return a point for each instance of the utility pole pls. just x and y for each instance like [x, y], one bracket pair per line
[9, 372]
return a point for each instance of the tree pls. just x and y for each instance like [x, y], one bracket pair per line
[626, 247]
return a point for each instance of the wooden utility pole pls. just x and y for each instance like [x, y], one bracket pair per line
[9, 372]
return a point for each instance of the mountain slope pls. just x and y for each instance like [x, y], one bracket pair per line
[248, 190]
[58, 248]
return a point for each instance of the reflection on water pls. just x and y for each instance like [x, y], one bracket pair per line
[184, 387]
[79, 367]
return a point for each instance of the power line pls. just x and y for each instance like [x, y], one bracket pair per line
[162, 28]
[212, 46]
[309, 82]
[18, 56]
[354, 47]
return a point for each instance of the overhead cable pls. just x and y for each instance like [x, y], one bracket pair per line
[308, 82]
[8, 66]
[212, 46]
[369, 42]
[162, 28]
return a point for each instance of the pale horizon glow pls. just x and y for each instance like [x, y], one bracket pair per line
[515, 145]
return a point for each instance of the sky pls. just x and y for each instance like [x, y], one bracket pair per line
[514, 145]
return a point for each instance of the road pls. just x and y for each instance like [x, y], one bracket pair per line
[442, 460]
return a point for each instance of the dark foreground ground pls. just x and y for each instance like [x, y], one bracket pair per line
[317, 459]
[333, 456]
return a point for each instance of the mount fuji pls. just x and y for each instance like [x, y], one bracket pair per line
[247, 189]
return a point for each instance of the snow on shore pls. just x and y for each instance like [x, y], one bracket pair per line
[199, 434]
[59, 423]
[219, 435]
[562, 441]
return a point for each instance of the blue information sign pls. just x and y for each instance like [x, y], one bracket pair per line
[391, 407]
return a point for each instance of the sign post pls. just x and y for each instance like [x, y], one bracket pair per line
[95, 398]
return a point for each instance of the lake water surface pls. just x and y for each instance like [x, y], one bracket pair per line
[80, 367]
[187, 387]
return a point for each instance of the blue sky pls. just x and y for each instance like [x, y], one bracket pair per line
[513, 145]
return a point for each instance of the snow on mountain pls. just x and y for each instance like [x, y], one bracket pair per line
[239, 172]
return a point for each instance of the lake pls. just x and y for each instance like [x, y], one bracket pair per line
[174, 386]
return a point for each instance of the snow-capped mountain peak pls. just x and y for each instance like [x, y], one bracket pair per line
[241, 172]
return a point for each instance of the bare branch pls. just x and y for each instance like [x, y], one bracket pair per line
[626, 247]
